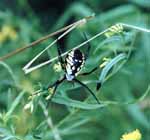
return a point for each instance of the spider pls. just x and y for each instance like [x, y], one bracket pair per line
[72, 65]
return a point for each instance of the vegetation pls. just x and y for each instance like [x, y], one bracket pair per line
[122, 53]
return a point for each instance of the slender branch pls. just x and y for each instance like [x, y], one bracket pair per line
[80, 22]
[135, 27]
[38, 55]
[33, 44]
[28, 70]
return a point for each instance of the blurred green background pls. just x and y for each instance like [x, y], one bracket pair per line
[24, 21]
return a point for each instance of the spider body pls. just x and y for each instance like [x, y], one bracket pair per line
[74, 62]
[72, 65]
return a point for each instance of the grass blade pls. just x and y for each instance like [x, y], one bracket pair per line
[109, 65]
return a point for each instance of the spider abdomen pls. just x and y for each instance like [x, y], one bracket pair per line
[74, 62]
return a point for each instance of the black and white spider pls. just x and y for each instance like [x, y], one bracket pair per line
[72, 65]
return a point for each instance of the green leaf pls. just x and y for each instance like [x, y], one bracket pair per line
[109, 65]
[77, 104]
[15, 103]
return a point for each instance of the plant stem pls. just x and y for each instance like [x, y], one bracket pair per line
[50, 122]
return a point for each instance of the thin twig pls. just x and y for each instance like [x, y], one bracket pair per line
[135, 27]
[50, 123]
[80, 22]
[33, 44]
[38, 55]
[28, 70]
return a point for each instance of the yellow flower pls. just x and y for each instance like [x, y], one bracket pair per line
[118, 28]
[57, 67]
[135, 135]
[6, 29]
[105, 62]
[7, 32]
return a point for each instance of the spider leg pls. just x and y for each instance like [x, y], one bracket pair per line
[87, 73]
[55, 85]
[88, 90]
[86, 56]
[88, 46]
[98, 86]
[60, 58]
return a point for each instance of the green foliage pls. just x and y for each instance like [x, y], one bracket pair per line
[124, 66]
